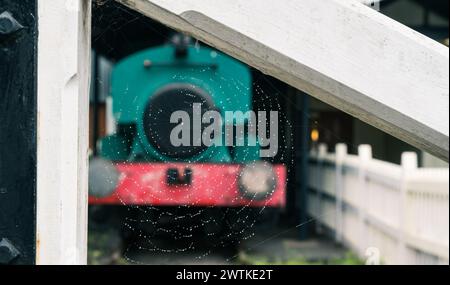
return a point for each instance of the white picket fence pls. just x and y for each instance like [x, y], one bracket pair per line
[387, 213]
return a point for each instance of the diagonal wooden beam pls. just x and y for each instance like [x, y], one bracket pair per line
[339, 51]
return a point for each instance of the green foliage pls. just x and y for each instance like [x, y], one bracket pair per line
[248, 259]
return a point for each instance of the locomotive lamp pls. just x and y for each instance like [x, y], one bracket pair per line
[257, 180]
[103, 178]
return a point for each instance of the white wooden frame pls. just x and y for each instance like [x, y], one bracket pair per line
[340, 51]
[62, 138]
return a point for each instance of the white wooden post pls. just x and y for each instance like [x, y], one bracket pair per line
[339, 51]
[365, 156]
[63, 80]
[409, 165]
[341, 153]
[322, 152]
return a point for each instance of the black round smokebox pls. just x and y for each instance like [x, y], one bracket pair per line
[166, 101]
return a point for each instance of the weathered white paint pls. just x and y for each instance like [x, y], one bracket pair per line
[340, 51]
[63, 80]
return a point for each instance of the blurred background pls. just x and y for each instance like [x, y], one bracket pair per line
[338, 191]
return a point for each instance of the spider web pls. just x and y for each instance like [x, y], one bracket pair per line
[183, 233]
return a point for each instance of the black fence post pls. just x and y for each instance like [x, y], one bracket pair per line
[18, 114]
[301, 162]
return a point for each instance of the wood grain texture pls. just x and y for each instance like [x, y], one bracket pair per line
[341, 52]
[62, 141]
